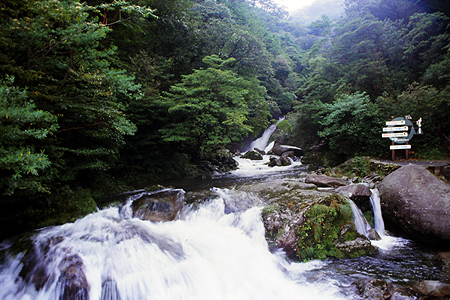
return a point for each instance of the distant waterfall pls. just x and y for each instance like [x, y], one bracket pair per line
[261, 142]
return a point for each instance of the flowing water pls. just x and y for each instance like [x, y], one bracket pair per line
[214, 250]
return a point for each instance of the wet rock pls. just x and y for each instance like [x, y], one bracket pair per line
[262, 152]
[354, 191]
[418, 203]
[34, 263]
[358, 193]
[72, 282]
[432, 288]
[356, 244]
[325, 181]
[400, 296]
[253, 155]
[374, 289]
[281, 149]
[373, 235]
[158, 206]
[274, 162]
[279, 161]
[304, 223]
[445, 257]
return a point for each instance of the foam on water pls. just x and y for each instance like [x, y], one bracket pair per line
[206, 254]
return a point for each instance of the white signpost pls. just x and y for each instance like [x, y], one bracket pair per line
[399, 147]
[388, 129]
[400, 131]
[394, 134]
[397, 122]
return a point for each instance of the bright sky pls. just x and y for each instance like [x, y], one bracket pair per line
[293, 5]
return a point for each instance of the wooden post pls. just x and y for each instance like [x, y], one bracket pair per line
[393, 152]
[407, 152]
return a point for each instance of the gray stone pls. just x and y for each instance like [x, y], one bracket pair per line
[253, 155]
[325, 181]
[418, 203]
[354, 191]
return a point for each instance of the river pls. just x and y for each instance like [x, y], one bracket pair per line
[215, 250]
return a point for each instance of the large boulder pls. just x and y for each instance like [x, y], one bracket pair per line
[72, 282]
[253, 155]
[418, 203]
[308, 224]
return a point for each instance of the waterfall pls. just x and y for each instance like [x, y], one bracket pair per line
[214, 250]
[261, 142]
[358, 218]
[376, 206]
[362, 226]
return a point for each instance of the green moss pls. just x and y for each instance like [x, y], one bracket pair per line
[321, 228]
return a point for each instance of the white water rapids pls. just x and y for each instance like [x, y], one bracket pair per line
[205, 254]
[213, 250]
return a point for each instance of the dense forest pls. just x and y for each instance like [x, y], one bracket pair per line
[100, 96]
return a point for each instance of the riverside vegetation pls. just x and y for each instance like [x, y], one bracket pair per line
[100, 97]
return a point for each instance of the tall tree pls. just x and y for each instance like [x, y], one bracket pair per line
[210, 108]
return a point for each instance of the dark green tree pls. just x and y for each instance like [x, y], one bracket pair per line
[210, 108]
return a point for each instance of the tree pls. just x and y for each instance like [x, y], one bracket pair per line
[65, 63]
[351, 124]
[22, 126]
[60, 56]
[210, 108]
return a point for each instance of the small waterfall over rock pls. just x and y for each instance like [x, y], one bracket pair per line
[376, 206]
[361, 224]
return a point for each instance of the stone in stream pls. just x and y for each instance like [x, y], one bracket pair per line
[158, 206]
[324, 181]
[418, 203]
[309, 224]
[72, 282]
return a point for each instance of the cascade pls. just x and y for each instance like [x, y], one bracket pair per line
[215, 250]
[361, 224]
[376, 206]
[261, 142]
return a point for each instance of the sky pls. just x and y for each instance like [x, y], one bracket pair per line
[293, 5]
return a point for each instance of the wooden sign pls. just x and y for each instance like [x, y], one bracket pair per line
[399, 147]
[402, 128]
[394, 134]
[395, 123]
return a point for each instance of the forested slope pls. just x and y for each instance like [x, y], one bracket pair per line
[100, 95]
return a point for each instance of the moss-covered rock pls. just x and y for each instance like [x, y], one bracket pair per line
[253, 155]
[309, 224]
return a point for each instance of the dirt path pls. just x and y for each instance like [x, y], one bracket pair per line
[404, 162]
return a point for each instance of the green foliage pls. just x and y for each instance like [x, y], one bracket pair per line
[210, 108]
[321, 228]
[21, 127]
[351, 124]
